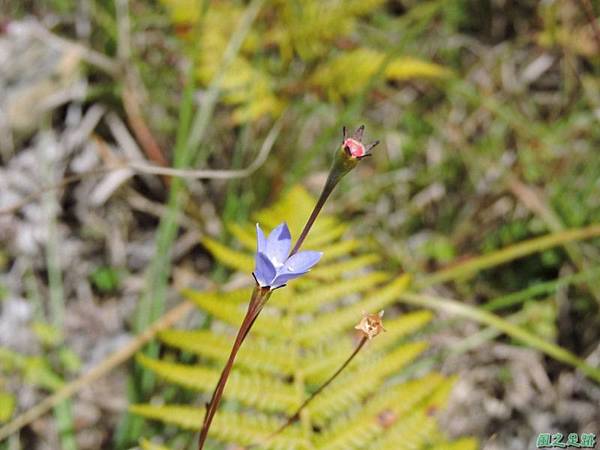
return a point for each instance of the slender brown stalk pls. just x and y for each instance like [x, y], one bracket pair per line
[342, 164]
[296, 416]
[257, 301]
[331, 182]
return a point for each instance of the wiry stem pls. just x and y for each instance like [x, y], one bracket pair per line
[257, 301]
[342, 164]
[296, 416]
[332, 181]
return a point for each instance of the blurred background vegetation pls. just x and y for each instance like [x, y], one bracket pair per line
[488, 114]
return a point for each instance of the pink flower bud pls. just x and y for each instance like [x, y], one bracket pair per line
[354, 148]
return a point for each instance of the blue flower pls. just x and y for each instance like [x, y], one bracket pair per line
[274, 266]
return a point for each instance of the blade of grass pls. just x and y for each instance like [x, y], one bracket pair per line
[62, 411]
[202, 119]
[540, 289]
[475, 265]
[540, 206]
[485, 317]
[152, 302]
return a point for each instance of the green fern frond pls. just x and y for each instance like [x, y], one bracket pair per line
[412, 432]
[402, 326]
[270, 323]
[186, 417]
[459, 444]
[327, 325]
[301, 337]
[313, 299]
[350, 389]
[261, 354]
[331, 271]
[291, 208]
[147, 445]
[398, 328]
[232, 259]
[236, 297]
[245, 235]
[339, 249]
[257, 390]
[349, 73]
[244, 429]
[362, 425]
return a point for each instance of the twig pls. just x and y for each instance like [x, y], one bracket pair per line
[87, 54]
[206, 174]
[132, 84]
[259, 297]
[216, 174]
[98, 371]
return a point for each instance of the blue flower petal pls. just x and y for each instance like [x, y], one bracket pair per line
[301, 262]
[283, 278]
[264, 271]
[261, 241]
[278, 244]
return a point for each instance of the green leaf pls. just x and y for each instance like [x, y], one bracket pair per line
[7, 405]
[48, 335]
[106, 279]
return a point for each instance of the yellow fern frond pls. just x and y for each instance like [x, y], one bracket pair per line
[147, 445]
[245, 235]
[459, 444]
[242, 429]
[231, 258]
[350, 389]
[342, 248]
[326, 236]
[269, 323]
[320, 296]
[236, 297]
[257, 390]
[260, 354]
[349, 73]
[322, 360]
[325, 272]
[301, 337]
[327, 325]
[412, 432]
[364, 424]
[186, 417]
[402, 326]
[407, 67]
[294, 208]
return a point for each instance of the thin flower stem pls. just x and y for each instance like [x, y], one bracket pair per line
[257, 301]
[261, 295]
[296, 416]
[332, 181]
